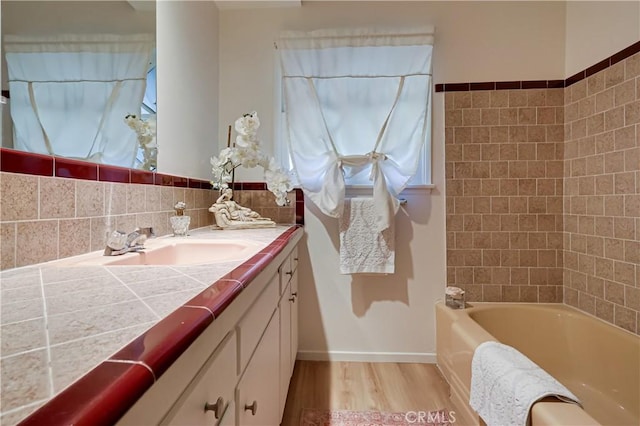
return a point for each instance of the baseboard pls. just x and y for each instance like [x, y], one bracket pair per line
[424, 358]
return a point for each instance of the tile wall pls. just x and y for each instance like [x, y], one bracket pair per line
[602, 194]
[45, 218]
[543, 189]
[504, 177]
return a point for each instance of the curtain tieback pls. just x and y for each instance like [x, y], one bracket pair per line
[374, 157]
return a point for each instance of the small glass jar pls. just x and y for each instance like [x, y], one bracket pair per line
[454, 298]
[180, 225]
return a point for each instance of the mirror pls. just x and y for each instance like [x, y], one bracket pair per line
[72, 98]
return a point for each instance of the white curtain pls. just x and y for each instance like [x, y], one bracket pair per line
[356, 107]
[71, 93]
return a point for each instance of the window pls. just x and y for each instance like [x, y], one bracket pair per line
[356, 109]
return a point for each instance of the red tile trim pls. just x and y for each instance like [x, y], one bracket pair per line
[99, 398]
[534, 84]
[142, 177]
[13, 161]
[113, 174]
[164, 180]
[482, 86]
[217, 297]
[597, 67]
[180, 182]
[254, 186]
[67, 168]
[574, 78]
[625, 53]
[543, 84]
[508, 85]
[555, 84]
[193, 183]
[163, 343]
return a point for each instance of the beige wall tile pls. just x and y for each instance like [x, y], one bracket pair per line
[153, 202]
[499, 98]
[36, 242]
[625, 318]
[8, 245]
[89, 198]
[605, 100]
[100, 228]
[57, 198]
[632, 66]
[517, 98]
[166, 198]
[136, 198]
[537, 97]
[115, 198]
[74, 237]
[614, 74]
[481, 99]
[632, 113]
[19, 197]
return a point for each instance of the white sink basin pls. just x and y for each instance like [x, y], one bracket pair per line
[176, 252]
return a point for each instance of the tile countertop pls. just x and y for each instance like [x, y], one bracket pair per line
[73, 337]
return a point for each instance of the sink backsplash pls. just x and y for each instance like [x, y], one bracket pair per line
[51, 207]
[46, 218]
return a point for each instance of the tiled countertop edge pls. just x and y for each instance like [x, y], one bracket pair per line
[542, 84]
[107, 392]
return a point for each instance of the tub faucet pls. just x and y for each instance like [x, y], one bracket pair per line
[120, 242]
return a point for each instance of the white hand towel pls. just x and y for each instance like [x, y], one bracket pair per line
[362, 249]
[505, 384]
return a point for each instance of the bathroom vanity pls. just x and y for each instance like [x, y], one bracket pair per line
[237, 372]
[224, 357]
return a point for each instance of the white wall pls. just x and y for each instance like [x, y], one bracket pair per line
[390, 317]
[187, 49]
[596, 30]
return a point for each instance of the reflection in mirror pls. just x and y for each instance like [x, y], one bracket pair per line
[78, 93]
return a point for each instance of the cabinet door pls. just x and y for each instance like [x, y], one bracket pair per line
[285, 348]
[214, 384]
[258, 393]
[229, 416]
[294, 320]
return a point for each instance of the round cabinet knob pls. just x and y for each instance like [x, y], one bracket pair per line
[294, 294]
[216, 408]
[292, 299]
[253, 407]
[289, 272]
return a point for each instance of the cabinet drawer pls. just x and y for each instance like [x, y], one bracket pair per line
[214, 381]
[253, 324]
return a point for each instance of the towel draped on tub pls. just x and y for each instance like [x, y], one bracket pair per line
[505, 384]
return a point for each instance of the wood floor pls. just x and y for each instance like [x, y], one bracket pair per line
[365, 386]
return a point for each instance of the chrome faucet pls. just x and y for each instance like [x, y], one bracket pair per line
[119, 242]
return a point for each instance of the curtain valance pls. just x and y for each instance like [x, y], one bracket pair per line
[356, 102]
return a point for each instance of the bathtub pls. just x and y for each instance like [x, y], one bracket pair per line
[598, 362]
